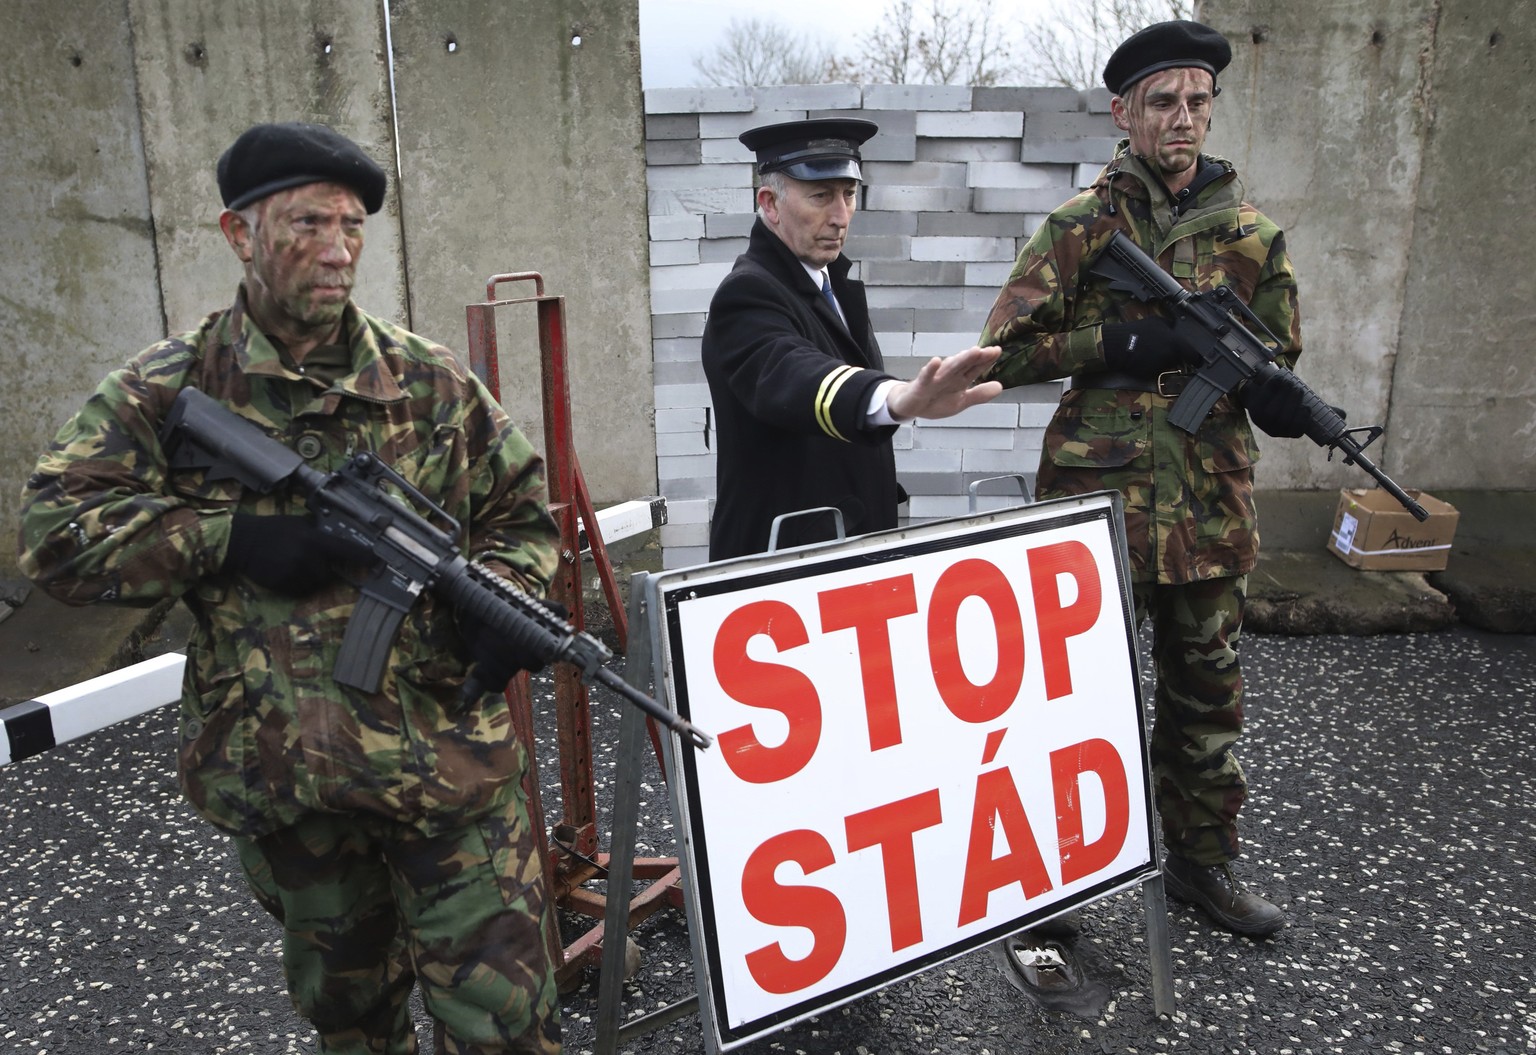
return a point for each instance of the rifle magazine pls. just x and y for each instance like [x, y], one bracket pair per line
[366, 644]
[1194, 404]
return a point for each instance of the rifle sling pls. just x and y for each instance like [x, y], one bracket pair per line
[1169, 384]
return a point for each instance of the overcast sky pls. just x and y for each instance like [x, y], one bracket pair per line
[673, 32]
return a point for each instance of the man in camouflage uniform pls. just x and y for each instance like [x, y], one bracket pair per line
[388, 832]
[1191, 527]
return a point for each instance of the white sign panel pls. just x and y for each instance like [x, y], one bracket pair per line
[926, 739]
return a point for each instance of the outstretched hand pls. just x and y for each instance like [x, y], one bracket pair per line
[945, 387]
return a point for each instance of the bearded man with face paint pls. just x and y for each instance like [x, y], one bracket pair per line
[1191, 526]
[386, 831]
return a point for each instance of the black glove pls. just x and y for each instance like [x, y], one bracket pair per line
[1144, 348]
[287, 554]
[1277, 404]
[494, 659]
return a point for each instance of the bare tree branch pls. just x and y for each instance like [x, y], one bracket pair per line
[1071, 47]
[888, 50]
[759, 51]
[941, 42]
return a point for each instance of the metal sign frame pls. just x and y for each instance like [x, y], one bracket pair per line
[662, 596]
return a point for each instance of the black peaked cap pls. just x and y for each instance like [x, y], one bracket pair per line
[810, 150]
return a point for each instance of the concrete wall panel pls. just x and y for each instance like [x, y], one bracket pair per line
[77, 277]
[1319, 112]
[207, 72]
[523, 146]
[1389, 137]
[1464, 393]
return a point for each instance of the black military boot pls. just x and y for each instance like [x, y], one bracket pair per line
[1216, 890]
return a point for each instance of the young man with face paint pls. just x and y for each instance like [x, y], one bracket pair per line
[1191, 526]
[388, 831]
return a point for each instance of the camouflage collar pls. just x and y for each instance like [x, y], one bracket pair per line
[1142, 182]
[1217, 189]
[372, 376]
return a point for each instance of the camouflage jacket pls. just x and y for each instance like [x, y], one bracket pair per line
[1189, 506]
[266, 733]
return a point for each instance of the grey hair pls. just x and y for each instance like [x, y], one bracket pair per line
[251, 214]
[777, 182]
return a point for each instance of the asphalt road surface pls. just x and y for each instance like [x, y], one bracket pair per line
[1390, 814]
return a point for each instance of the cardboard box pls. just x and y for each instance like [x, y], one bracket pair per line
[1372, 532]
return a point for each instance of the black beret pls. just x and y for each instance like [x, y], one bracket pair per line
[810, 150]
[269, 158]
[1162, 47]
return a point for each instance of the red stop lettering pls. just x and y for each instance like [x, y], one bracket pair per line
[966, 700]
[1080, 858]
[811, 907]
[998, 806]
[768, 685]
[1058, 623]
[868, 609]
[891, 827]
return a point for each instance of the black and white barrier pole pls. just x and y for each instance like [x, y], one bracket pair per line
[34, 726]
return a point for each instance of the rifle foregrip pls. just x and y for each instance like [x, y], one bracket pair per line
[480, 600]
[483, 595]
[1324, 425]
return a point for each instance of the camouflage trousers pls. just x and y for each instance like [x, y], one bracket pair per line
[1198, 713]
[372, 907]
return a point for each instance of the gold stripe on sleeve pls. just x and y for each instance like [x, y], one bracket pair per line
[827, 393]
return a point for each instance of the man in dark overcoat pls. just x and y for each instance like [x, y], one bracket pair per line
[805, 410]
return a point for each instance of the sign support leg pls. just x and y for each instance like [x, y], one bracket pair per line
[633, 734]
[1156, 908]
[621, 847]
[567, 874]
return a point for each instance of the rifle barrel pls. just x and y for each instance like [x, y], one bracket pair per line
[676, 722]
[1353, 453]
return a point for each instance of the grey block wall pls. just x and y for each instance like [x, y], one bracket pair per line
[955, 181]
[108, 203]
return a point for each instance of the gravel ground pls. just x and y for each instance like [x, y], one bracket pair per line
[1391, 778]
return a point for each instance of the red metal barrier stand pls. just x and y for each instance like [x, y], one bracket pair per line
[578, 861]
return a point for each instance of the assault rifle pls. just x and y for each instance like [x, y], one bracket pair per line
[412, 553]
[1213, 322]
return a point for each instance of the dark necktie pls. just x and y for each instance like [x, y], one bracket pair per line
[826, 291]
